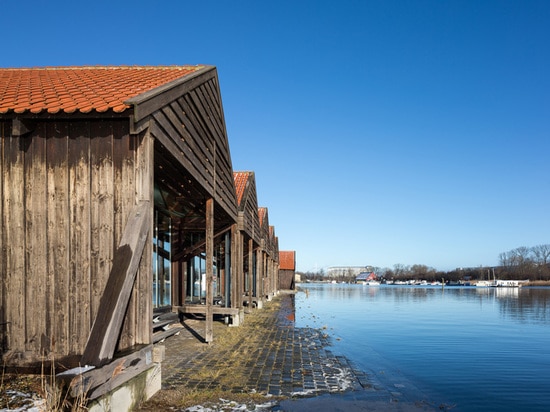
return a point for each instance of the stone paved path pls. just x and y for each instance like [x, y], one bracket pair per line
[267, 355]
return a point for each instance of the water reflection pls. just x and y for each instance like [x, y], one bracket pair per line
[518, 304]
[492, 343]
[528, 305]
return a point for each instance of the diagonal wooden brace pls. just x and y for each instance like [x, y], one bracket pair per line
[107, 326]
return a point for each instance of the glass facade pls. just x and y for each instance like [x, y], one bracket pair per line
[162, 267]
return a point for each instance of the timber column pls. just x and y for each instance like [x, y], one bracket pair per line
[209, 327]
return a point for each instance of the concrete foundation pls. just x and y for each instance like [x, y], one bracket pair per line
[129, 396]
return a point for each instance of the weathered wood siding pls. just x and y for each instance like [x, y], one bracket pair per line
[67, 189]
[189, 122]
[286, 279]
[250, 210]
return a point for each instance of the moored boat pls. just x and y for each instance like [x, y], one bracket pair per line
[498, 283]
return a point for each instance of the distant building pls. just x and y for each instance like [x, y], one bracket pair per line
[287, 269]
[336, 271]
[366, 277]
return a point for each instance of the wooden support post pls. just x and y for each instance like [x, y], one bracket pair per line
[209, 332]
[228, 274]
[260, 276]
[250, 273]
[114, 301]
[237, 268]
[183, 276]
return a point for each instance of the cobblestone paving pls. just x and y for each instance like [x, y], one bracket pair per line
[269, 355]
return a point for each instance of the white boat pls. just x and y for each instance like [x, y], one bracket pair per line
[497, 283]
[507, 283]
[371, 283]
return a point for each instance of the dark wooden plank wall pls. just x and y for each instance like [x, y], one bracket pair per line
[263, 258]
[286, 279]
[67, 189]
[264, 229]
[5, 131]
[192, 129]
[251, 219]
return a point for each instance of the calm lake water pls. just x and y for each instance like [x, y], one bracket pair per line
[481, 349]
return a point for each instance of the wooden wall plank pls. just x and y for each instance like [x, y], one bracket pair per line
[13, 219]
[36, 246]
[102, 212]
[58, 232]
[80, 239]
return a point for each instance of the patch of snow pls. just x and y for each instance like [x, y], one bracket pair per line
[30, 403]
[225, 406]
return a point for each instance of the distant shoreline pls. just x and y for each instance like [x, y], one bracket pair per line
[538, 283]
[531, 283]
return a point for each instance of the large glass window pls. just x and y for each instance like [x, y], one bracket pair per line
[196, 280]
[162, 258]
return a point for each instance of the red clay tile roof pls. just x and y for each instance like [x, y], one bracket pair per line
[240, 179]
[82, 89]
[287, 260]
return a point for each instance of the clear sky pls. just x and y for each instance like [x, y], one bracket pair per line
[380, 132]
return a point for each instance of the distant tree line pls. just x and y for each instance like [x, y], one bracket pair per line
[531, 263]
[523, 263]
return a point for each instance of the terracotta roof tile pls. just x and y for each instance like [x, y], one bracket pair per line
[287, 260]
[240, 179]
[83, 89]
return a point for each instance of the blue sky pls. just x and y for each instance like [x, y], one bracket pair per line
[380, 132]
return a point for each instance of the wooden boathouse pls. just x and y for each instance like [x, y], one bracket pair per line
[119, 205]
[287, 269]
[249, 240]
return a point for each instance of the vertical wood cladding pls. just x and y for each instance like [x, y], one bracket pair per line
[192, 128]
[249, 206]
[67, 188]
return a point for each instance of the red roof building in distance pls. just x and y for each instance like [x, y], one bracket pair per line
[287, 260]
[81, 89]
[287, 269]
